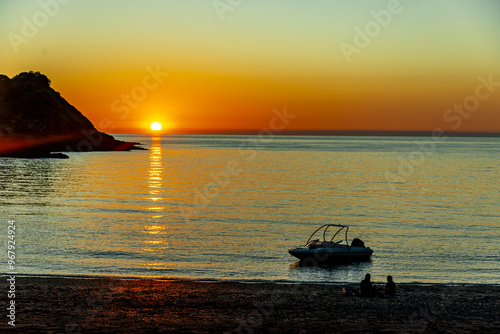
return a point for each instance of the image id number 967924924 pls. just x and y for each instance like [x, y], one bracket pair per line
[11, 264]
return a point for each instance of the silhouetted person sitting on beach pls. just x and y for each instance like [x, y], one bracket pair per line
[366, 287]
[390, 287]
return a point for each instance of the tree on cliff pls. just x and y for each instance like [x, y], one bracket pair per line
[5, 86]
[34, 79]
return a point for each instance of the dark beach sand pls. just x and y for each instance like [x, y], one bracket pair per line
[70, 305]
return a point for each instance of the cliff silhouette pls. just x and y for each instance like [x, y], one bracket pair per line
[35, 122]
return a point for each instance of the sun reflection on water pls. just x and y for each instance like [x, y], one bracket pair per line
[155, 169]
[155, 230]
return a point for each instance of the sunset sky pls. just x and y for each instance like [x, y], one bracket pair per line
[229, 65]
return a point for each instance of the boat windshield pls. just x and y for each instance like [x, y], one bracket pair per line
[326, 230]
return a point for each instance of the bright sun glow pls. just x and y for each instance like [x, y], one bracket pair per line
[156, 126]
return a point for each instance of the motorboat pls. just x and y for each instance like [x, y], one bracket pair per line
[331, 250]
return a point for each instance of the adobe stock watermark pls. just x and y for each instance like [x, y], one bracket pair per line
[152, 80]
[427, 314]
[11, 265]
[88, 308]
[202, 198]
[455, 115]
[371, 30]
[122, 106]
[223, 6]
[31, 26]
[264, 310]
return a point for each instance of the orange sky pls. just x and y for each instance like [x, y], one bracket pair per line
[229, 70]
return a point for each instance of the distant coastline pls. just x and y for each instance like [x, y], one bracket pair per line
[347, 133]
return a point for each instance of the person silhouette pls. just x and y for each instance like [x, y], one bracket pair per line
[390, 287]
[366, 287]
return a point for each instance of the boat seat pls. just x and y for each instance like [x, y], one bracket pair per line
[314, 243]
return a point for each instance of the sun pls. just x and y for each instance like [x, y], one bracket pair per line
[156, 126]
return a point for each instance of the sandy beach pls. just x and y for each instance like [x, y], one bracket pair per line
[75, 305]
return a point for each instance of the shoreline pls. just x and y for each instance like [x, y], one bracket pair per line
[233, 280]
[92, 305]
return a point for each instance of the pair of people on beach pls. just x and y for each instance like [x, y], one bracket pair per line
[367, 289]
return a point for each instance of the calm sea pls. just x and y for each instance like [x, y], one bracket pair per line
[229, 208]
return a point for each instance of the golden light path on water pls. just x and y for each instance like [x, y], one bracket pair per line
[155, 229]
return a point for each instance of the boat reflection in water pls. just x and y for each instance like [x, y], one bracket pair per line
[306, 271]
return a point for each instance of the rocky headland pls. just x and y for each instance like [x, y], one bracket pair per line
[36, 122]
